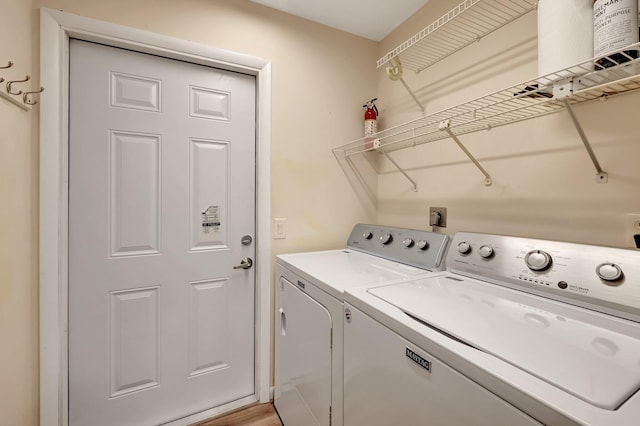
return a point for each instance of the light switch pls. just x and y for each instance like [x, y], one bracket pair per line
[279, 228]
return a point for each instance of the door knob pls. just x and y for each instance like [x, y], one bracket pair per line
[245, 263]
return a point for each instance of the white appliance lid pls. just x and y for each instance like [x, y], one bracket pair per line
[339, 269]
[590, 355]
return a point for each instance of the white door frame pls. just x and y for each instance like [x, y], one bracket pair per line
[56, 28]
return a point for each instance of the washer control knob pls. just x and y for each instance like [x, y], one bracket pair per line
[408, 242]
[538, 260]
[485, 251]
[386, 238]
[464, 247]
[422, 244]
[367, 235]
[609, 271]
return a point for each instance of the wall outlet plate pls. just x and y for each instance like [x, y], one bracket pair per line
[633, 228]
[438, 216]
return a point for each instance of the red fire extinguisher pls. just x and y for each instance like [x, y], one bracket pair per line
[370, 117]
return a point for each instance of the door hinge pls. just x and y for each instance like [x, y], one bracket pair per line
[330, 419]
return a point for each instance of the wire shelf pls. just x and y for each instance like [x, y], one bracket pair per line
[460, 27]
[580, 83]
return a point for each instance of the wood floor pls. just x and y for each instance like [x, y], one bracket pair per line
[255, 415]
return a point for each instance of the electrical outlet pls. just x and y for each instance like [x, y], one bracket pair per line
[633, 228]
[279, 228]
[438, 216]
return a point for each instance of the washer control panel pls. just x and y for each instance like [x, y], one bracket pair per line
[601, 278]
[414, 247]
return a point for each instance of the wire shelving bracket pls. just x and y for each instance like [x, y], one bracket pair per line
[461, 26]
[401, 170]
[562, 90]
[446, 127]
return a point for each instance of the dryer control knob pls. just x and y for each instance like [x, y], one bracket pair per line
[609, 271]
[464, 247]
[485, 251]
[408, 242]
[386, 238]
[367, 235]
[538, 260]
[422, 244]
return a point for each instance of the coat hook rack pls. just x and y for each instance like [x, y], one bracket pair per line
[9, 65]
[28, 99]
[9, 94]
[19, 92]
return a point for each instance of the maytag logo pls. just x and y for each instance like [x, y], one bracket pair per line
[418, 359]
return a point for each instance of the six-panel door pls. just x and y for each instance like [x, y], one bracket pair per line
[161, 191]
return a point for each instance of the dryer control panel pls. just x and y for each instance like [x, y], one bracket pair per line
[422, 249]
[601, 278]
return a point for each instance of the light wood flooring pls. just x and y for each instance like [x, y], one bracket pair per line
[255, 415]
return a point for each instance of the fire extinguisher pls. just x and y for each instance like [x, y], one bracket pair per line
[370, 117]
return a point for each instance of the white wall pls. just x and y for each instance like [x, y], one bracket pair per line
[543, 180]
[320, 79]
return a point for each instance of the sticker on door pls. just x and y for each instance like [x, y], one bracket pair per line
[211, 219]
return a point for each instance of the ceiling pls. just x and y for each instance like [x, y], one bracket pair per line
[372, 19]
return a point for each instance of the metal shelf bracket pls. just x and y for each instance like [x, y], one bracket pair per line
[446, 127]
[601, 175]
[415, 98]
[394, 71]
[401, 170]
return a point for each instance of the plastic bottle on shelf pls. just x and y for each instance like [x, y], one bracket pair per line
[615, 26]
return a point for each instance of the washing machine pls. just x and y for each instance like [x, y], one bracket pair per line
[517, 332]
[309, 312]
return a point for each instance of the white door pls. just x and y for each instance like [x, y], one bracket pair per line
[161, 192]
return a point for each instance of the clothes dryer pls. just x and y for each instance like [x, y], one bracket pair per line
[309, 312]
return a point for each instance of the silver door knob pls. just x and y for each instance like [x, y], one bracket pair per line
[245, 263]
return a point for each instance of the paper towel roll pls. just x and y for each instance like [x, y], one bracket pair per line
[565, 34]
